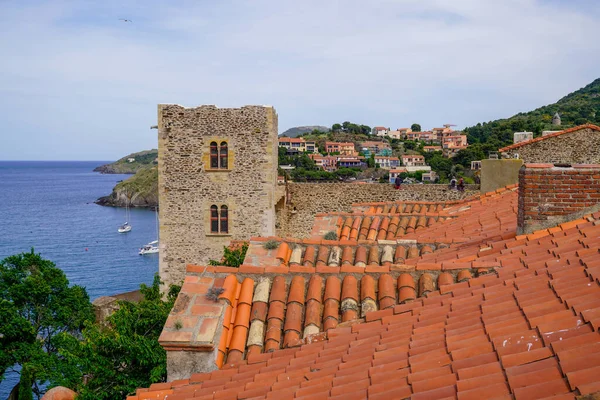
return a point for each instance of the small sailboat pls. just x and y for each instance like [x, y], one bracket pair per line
[126, 227]
[152, 247]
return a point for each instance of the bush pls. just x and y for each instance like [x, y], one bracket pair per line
[331, 235]
[271, 244]
[231, 257]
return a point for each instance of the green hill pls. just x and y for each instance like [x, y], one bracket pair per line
[131, 163]
[299, 130]
[579, 107]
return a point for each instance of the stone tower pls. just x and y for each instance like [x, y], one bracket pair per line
[216, 183]
[556, 119]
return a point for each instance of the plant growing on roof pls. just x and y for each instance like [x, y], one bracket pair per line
[271, 244]
[231, 257]
[178, 325]
[331, 235]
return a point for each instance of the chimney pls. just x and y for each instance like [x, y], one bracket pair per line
[550, 194]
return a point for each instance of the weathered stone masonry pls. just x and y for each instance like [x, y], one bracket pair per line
[581, 145]
[188, 186]
[305, 200]
[550, 194]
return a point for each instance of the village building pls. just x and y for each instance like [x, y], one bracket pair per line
[394, 173]
[430, 176]
[578, 145]
[326, 163]
[351, 162]
[298, 145]
[412, 160]
[380, 131]
[452, 144]
[343, 148]
[431, 149]
[387, 162]
[379, 148]
[404, 131]
[395, 134]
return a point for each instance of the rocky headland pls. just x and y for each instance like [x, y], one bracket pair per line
[131, 163]
[141, 190]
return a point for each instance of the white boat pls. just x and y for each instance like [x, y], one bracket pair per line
[126, 227]
[150, 248]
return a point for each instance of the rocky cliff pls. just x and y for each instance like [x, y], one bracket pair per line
[141, 190]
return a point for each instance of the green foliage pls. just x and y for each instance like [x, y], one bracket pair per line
[579, 107]
[231, 257]
[371, 161]
[410, 145]
[271, 244]
[143, 183]
[415, 128]
[352, 128]
[114, 359]
[301, 160]
[37, 306]
[331, 235]
[143, 159]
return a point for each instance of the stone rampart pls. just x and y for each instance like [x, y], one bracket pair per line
[305, 200]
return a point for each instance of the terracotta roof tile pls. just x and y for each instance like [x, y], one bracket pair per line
[525, 324]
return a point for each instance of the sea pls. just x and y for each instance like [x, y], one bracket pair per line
[48, 206]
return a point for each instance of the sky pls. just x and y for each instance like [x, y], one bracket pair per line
[77, 83]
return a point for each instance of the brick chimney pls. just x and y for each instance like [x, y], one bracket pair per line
[550, 194]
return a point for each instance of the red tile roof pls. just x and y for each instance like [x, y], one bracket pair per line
[538, 139]
[461, 307]
[528, 330]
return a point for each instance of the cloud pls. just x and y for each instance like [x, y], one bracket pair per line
[77, 79]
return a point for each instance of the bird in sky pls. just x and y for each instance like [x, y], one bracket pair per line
[125, 20]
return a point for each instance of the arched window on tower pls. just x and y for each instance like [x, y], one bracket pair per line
[224, 219]
[214, 219]
[214, 156]
[223, 156]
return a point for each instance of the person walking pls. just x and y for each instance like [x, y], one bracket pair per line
[461, 185]
[397, 182]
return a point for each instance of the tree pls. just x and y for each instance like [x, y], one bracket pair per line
[415, 128]
[336, 127]
[371, 161]
[37, 305]
[113, 360]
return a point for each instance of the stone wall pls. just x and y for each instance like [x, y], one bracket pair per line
[496, 174]
[550, 195]
[188, 187]
[305, 200]
[579, 146]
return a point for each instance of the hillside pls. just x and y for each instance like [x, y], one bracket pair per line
[299, 130]
[141, 189]
[579, 107]
[142, 159]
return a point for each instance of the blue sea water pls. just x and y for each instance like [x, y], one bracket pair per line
[50, 206]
